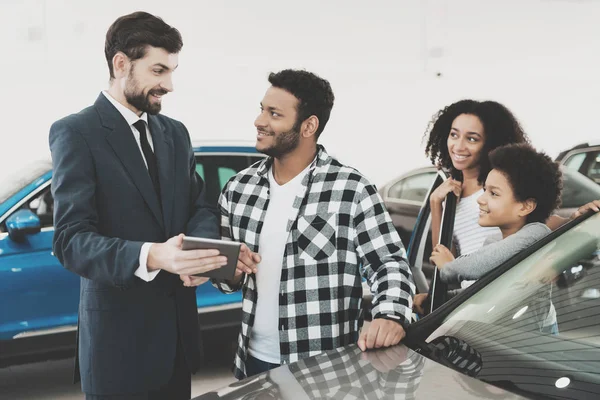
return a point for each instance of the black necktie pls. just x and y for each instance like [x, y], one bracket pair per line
[149, 156]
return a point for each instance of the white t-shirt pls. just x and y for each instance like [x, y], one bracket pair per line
[264, 339]
[468, 234]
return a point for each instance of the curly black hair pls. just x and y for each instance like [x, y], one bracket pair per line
[532, 175]
[500, 126]
[133, 33]
[314, 95]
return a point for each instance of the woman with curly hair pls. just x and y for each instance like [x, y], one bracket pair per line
[460, 139]
[521, 191]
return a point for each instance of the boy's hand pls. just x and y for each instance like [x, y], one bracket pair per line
[440, 255]
[593, 205]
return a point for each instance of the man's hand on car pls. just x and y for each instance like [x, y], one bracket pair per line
[592, 205]
[381, 333]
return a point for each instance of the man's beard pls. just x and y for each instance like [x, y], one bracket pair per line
[285, 143]
[138, 99]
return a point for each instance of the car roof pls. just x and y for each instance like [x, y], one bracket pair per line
[580, 148]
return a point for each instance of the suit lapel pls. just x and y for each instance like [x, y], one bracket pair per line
[163, 149]
[120, 138]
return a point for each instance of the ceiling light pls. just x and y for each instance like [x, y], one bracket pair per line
[563, 382]
[520, 312]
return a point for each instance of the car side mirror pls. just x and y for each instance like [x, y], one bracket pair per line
[21, 224]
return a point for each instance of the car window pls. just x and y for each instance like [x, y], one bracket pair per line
[42, 204]
[225, 174]
[574, 162]
[537, 326]
[412, 188]
[217, 169]
[577, 190]
[200, 171]
[593, 171]
[11, 183]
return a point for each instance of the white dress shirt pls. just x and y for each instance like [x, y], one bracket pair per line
[131, 118]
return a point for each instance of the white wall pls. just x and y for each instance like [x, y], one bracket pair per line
[540, 58]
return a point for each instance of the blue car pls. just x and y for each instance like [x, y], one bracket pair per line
[39, 298]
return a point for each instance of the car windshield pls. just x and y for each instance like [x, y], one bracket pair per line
[536, 328]
[11, 184]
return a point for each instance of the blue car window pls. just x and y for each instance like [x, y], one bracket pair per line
[200, 171]
[225, 174]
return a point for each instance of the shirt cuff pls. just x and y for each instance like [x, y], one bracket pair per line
[142, 272]
[393, 317]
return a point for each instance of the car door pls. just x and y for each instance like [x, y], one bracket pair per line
[37, 295]
[425, 274]
[404, 197]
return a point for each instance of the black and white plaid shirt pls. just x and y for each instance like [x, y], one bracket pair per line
[338, 231]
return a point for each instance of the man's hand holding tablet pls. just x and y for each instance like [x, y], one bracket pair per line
[239, 260]
[171, 257]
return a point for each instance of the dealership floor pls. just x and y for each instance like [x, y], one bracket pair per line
[53, 379]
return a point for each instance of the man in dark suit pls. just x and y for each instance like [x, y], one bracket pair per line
[125, 190]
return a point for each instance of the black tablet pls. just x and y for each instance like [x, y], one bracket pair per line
[231, 250]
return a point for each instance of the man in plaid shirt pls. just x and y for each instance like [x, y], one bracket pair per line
[319, 226]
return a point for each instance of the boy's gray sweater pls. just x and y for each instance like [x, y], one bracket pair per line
[494, 252]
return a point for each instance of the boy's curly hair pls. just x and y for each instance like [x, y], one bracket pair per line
[532, 175]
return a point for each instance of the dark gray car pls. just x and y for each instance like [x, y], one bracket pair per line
[521, 331]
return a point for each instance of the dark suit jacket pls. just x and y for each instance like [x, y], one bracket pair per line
[105, 209]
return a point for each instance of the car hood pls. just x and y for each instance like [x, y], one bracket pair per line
[348, 373]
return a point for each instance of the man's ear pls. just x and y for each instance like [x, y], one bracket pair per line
[309, 126]
[121, 64]
[527, 207]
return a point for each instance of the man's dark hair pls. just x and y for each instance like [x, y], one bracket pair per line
[132, 34]
[532, 175]
[314, 95]
[499, 124]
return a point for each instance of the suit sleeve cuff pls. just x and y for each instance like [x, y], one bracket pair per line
[142, 271]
